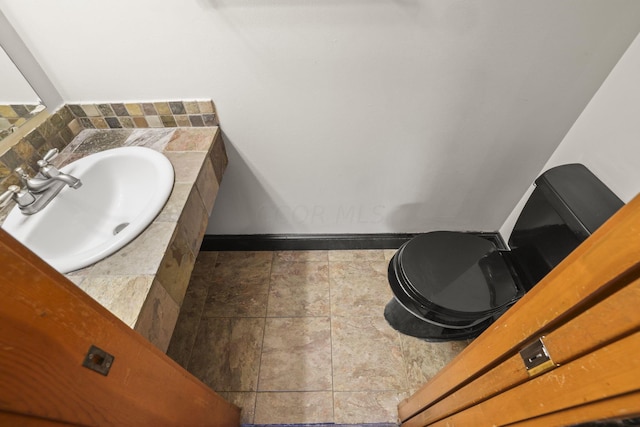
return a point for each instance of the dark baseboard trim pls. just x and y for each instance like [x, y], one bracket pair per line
[309, 242]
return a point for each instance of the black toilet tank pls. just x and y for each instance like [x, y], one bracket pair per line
[568, 204]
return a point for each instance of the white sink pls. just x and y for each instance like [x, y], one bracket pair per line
[122, 191]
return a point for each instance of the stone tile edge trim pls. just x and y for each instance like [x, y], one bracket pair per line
[145, 114]
[59, 129]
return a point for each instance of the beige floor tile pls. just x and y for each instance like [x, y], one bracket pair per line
[354, 352]
[246, 401]
[205, 264]
[357, 255]
[299, 289]
[294, 407]
[240, 259]
[300, 256]
[389, 253]
[184, 335]
[366, 407]
[359, 288]
[367, 355]
[245, 266]
[237, 298]
[424, 359]
[239, 285]
[296, 355]
[226, 353]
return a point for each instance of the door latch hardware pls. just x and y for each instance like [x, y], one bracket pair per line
[98, 360]
[536, 358]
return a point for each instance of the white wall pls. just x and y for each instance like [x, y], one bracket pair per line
[606, 136]
[349, 115]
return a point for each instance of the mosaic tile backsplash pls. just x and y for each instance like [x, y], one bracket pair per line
[67, 122]
[145, 115]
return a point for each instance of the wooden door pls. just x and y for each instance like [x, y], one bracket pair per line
[586, 312]
[47, 327]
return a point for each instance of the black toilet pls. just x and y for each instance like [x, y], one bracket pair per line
[453, 285]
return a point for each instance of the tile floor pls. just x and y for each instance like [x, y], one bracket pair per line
[300, 337]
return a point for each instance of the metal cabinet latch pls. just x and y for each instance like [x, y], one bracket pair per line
[98, 360]
[536, 358]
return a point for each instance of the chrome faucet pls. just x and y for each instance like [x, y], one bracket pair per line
[38, 191]
[47, 176]
[38, 185]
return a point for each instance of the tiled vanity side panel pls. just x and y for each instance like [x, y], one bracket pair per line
[176, 267]
[207, 185]
[194, 221]
[219, 157]
[158, 316]
[208, 182]
[174, 274]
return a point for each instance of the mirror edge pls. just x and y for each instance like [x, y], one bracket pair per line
[27, 64]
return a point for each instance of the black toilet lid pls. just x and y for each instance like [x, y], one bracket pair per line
[457, 272]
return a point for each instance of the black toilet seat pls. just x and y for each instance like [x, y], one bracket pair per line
[428, 313]
[408, 324]
[452, 279]
[451, 285]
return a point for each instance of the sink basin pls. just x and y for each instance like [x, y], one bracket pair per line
[122, 191]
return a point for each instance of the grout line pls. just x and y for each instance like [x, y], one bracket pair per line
[236, 317]
[319, 390]
[405, 365]
[333, 392]
[195, 337]
[264, 332]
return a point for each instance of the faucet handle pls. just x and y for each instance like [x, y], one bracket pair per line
[24, 177]
[51, 154]
[11, 192]
[22, 196]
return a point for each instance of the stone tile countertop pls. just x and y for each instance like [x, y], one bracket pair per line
[144, 283]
